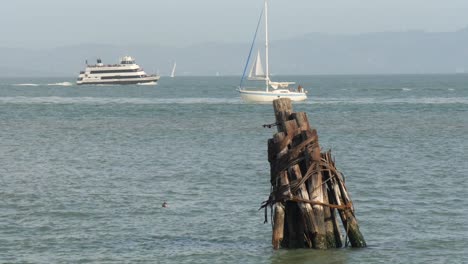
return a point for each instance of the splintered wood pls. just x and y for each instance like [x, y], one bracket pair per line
[307, 190]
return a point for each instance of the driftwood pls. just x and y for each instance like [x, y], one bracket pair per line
[307, 189]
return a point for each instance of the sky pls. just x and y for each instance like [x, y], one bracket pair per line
[54, 23]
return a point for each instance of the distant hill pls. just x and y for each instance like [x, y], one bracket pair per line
[315, 53]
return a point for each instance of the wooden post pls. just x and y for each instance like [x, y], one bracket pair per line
[332, 229]
[347, 215]
[294, 232]
[278, 225]
[350, 223]
[306, 187]
[279, 183]
[283, 110]
[317, 195]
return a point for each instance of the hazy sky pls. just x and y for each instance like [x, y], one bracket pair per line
[52, 23]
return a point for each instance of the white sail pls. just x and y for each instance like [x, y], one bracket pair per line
[256, 72]
[173, 70]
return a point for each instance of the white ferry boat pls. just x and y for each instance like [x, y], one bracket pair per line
[127, 72]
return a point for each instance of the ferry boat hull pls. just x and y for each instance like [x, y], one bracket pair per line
[147, 80]
[126, 72]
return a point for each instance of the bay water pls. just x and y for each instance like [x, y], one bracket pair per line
[84, 170]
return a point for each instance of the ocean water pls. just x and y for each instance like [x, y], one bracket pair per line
[84, 169]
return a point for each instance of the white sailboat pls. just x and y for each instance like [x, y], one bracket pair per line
[173, 70]
[278, 89]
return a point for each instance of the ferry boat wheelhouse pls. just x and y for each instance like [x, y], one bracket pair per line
[127, 72]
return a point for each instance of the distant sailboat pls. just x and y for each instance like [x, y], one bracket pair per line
[173, 70]
[278, 89]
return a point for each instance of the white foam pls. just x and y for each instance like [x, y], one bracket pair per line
[60, 84]
[26, 84]
[406, 89]
[148, 83]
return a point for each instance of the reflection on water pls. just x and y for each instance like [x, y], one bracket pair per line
[306, 256]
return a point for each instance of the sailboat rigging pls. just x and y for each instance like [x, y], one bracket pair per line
[279, 89]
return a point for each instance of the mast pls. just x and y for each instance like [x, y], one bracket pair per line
[267, 73]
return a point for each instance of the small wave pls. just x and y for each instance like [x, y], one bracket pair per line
[60, 84]
[406, 89]
[235, 100]
[114, 100]
[148, 83]
[451, 89]
[26, 84]
[368, 100]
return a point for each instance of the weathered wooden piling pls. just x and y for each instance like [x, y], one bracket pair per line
[307, 189]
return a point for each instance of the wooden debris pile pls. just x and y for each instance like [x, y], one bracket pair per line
[307, 190]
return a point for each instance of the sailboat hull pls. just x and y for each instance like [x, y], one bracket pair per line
[256, 73]
[264, 96]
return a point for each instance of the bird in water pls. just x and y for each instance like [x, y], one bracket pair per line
[164, 204]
